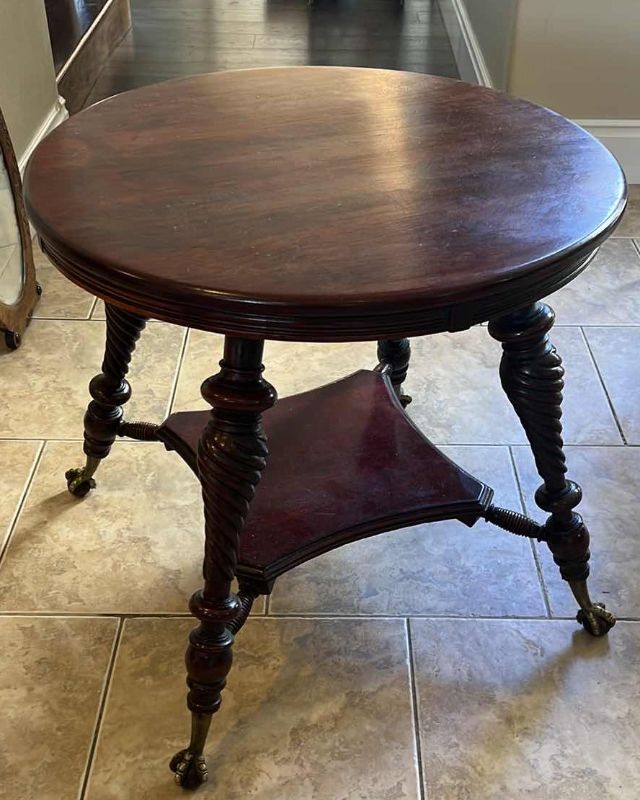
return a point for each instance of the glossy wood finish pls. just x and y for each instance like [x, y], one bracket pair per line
[327, 204]
[110, 390]
[396, 353]
[307, 203]
[532, 377]
[231, 457]
[367, 469]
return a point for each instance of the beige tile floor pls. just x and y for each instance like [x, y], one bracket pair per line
[434, 663]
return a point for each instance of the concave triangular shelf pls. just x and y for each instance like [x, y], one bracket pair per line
[345, 462]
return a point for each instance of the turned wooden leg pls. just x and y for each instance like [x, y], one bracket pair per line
[232, 454]
[110, 391]
[396, 353]
[532, 377]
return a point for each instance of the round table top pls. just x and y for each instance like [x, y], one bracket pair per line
[321, 203]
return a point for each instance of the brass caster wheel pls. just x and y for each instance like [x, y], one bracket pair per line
[38, 290]
[190, 770]
[78, 484]
[12, 339]
[597, 620]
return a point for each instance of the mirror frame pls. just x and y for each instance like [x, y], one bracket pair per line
[15, 318]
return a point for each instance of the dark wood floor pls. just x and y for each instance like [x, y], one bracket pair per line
[68, 21]
[171, 38]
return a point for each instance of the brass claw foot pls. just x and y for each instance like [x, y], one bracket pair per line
[190, 769]
[596, 620]
[79, 483]
[593, 617]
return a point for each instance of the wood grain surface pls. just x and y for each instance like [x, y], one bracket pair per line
[321, 203]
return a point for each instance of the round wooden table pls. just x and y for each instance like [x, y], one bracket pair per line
[324, 204]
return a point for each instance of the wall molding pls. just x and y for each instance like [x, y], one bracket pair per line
[466, 48]
[57, 114]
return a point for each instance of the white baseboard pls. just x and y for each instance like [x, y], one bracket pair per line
[57, 114]
[622, 137]
[466, 48]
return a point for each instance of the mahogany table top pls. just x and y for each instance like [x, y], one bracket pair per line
[321, 203]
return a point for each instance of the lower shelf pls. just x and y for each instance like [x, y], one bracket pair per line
[345, 462]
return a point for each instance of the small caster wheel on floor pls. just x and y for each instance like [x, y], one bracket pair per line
[190, 770]
[597, 620]
[38, 289]
[12, 339]
[78, 484]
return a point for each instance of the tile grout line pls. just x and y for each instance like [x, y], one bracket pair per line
[298, 615]
[104, 696]
[603, 384]
[92, 319]
[176, 377]
[22, 500]
[534, 551]
[185, 615]
[415, 712]
[440, 445]
[49, 439]
[62, 319]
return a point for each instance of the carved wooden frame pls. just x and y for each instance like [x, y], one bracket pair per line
[15, 318]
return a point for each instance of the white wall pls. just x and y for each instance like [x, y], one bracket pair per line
[581, 57]
[28, 91]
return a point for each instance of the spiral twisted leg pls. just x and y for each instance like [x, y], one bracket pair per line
[397, 354]
[231, 457]
[110, 391]
[533, 378]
